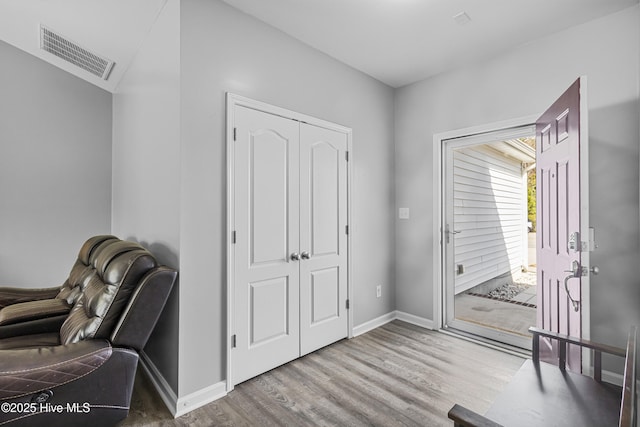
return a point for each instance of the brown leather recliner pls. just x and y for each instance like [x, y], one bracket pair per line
[83, 374]
[24, 311]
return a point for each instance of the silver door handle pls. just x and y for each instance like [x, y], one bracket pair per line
[305, 255]
[449, 232]
[575, 303]
[576, 272]
[295, 256]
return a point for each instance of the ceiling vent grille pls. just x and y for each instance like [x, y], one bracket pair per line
[71, 52]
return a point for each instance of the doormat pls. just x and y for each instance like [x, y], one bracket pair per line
[524, 304]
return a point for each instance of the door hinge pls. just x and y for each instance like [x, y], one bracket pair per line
[346, 156]
[233, 341]
[346, 229]
[234, 133]
[347, 305]
[233, 237]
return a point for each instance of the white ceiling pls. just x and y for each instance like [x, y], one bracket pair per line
[402, 41]
[395, 41]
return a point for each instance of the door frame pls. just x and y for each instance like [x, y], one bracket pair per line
[438, 181]
[232, 101]
[448, 278]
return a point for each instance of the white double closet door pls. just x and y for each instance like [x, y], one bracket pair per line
[290, 253]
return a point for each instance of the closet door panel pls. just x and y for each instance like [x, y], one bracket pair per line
[323, 220]
[266, 287]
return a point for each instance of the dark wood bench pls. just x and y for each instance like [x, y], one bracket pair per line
[542, 394]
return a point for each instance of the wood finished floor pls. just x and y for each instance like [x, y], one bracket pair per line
[395, 375]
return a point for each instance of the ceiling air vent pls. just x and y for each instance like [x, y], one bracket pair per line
[69, 51]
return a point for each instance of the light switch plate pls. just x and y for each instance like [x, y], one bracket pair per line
[403, 213]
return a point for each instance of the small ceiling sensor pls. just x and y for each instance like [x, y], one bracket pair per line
[462, 18]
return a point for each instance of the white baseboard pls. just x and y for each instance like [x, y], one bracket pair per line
[612, 378]
[391, 316]
[180, 406]
[415, 320]
[200, 398]
[374, 323]
[163, 388]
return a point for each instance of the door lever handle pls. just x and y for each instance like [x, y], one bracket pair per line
[574, 303]
[576, 272]
[448, 232]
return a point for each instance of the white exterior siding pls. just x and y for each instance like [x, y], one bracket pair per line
[489, 201]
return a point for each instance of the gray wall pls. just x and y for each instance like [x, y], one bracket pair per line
[519, 83]
[146, 167]
[225, 50]
[56, 164]
[55, 168]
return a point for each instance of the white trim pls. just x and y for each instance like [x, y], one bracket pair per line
[238, 100]
[161, 385]
[437, 230]
[612, 378]
[180, 406]
[585, 294]
[485, 342]
[438, 206]
[232, 101]
[200, 398]
[374, 323]
[585, 256]
[390, 317]
[229, 229]
[416, 320]
[352, 229]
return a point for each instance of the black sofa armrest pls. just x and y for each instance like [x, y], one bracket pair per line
[28, 371]
[31, 327]
[12, 295]
[32, 310]
[144, 308]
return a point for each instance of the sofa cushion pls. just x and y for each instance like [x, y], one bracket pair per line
[28, 371]
[11, 295]
[30, 341]
[39, 309]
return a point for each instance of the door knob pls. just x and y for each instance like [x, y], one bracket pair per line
[305, 255]
[295, 256]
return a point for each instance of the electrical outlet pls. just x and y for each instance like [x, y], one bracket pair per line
[379, 291]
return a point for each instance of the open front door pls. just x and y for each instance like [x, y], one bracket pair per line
[562, 216]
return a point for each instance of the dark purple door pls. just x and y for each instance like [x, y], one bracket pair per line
[559, 243]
